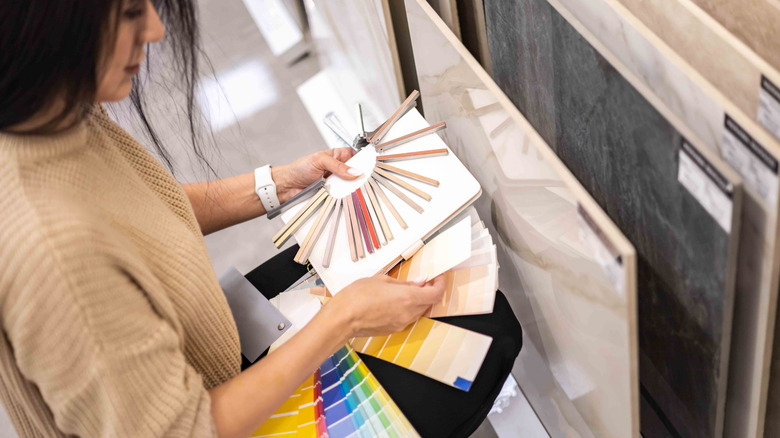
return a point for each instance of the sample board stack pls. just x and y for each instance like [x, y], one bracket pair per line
[645, 133]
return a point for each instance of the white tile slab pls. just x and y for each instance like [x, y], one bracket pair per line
[582, 323]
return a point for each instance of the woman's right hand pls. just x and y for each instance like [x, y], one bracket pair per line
[381, 305]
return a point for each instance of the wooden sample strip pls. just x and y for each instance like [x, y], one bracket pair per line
[405, 106]
[378, 209]
[441, 351]
[355, 227]
[332, 235]
[389, 186]
[314, 233]
[299, 219]
[362, 223]
[381, 194]
[403, 184]
[350, 231]
[380, 233]
[408, 174]
[367, 218]
[383, 147]
[413, 155]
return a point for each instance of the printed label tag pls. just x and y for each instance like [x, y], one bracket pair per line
[769, 106]
[713, 191]
[603, 252]
[751, 161]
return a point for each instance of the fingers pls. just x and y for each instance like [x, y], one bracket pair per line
[432, 291]
[328, 163]
[342, 154]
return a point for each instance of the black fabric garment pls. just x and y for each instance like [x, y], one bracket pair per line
[433, 408]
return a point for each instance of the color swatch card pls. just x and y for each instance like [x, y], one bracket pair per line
[285, 421]
[441, 351]
[311, 414]
[470, 291]
[440, 254]
[467, 254]
[355, 404]
[355, 229]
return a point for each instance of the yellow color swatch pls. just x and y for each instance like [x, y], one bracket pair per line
[414, 342]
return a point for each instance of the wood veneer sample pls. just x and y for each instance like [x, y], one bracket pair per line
[715, 53]
[754, 22]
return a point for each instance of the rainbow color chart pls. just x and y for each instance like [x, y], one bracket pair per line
[341, 399]
[355, 403]
[438, 350]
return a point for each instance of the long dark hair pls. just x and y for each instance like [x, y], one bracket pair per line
[52, 48]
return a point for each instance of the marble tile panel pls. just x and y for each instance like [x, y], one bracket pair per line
[755, 22]
[626, 154]
[560, 271]
[716, 54]
[697, 110]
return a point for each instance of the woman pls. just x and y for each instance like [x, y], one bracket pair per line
[113, 321]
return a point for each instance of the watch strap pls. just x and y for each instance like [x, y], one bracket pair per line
[266, 188]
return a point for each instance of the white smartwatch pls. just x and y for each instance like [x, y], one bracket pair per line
[266, 188]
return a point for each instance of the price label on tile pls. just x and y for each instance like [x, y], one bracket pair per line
[603, 252]
[769, 106]
[756, 166]
[705, 183]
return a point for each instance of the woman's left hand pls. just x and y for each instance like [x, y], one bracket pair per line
[296, 176]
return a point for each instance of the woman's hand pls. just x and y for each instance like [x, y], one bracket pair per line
[381, 305]
[296, 176]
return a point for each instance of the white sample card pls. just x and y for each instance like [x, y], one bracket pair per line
[752, 162]
[593, 240]
[259, 323]
[706, 184]
[769, 106]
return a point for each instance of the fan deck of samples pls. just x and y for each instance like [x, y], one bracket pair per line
[354, 229]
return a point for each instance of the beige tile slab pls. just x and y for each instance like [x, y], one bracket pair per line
[586, 317]
[755, 22]
[715, 53]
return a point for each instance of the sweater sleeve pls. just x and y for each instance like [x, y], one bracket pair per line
[106, 364]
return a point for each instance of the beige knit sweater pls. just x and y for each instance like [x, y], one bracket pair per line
[113, 323]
